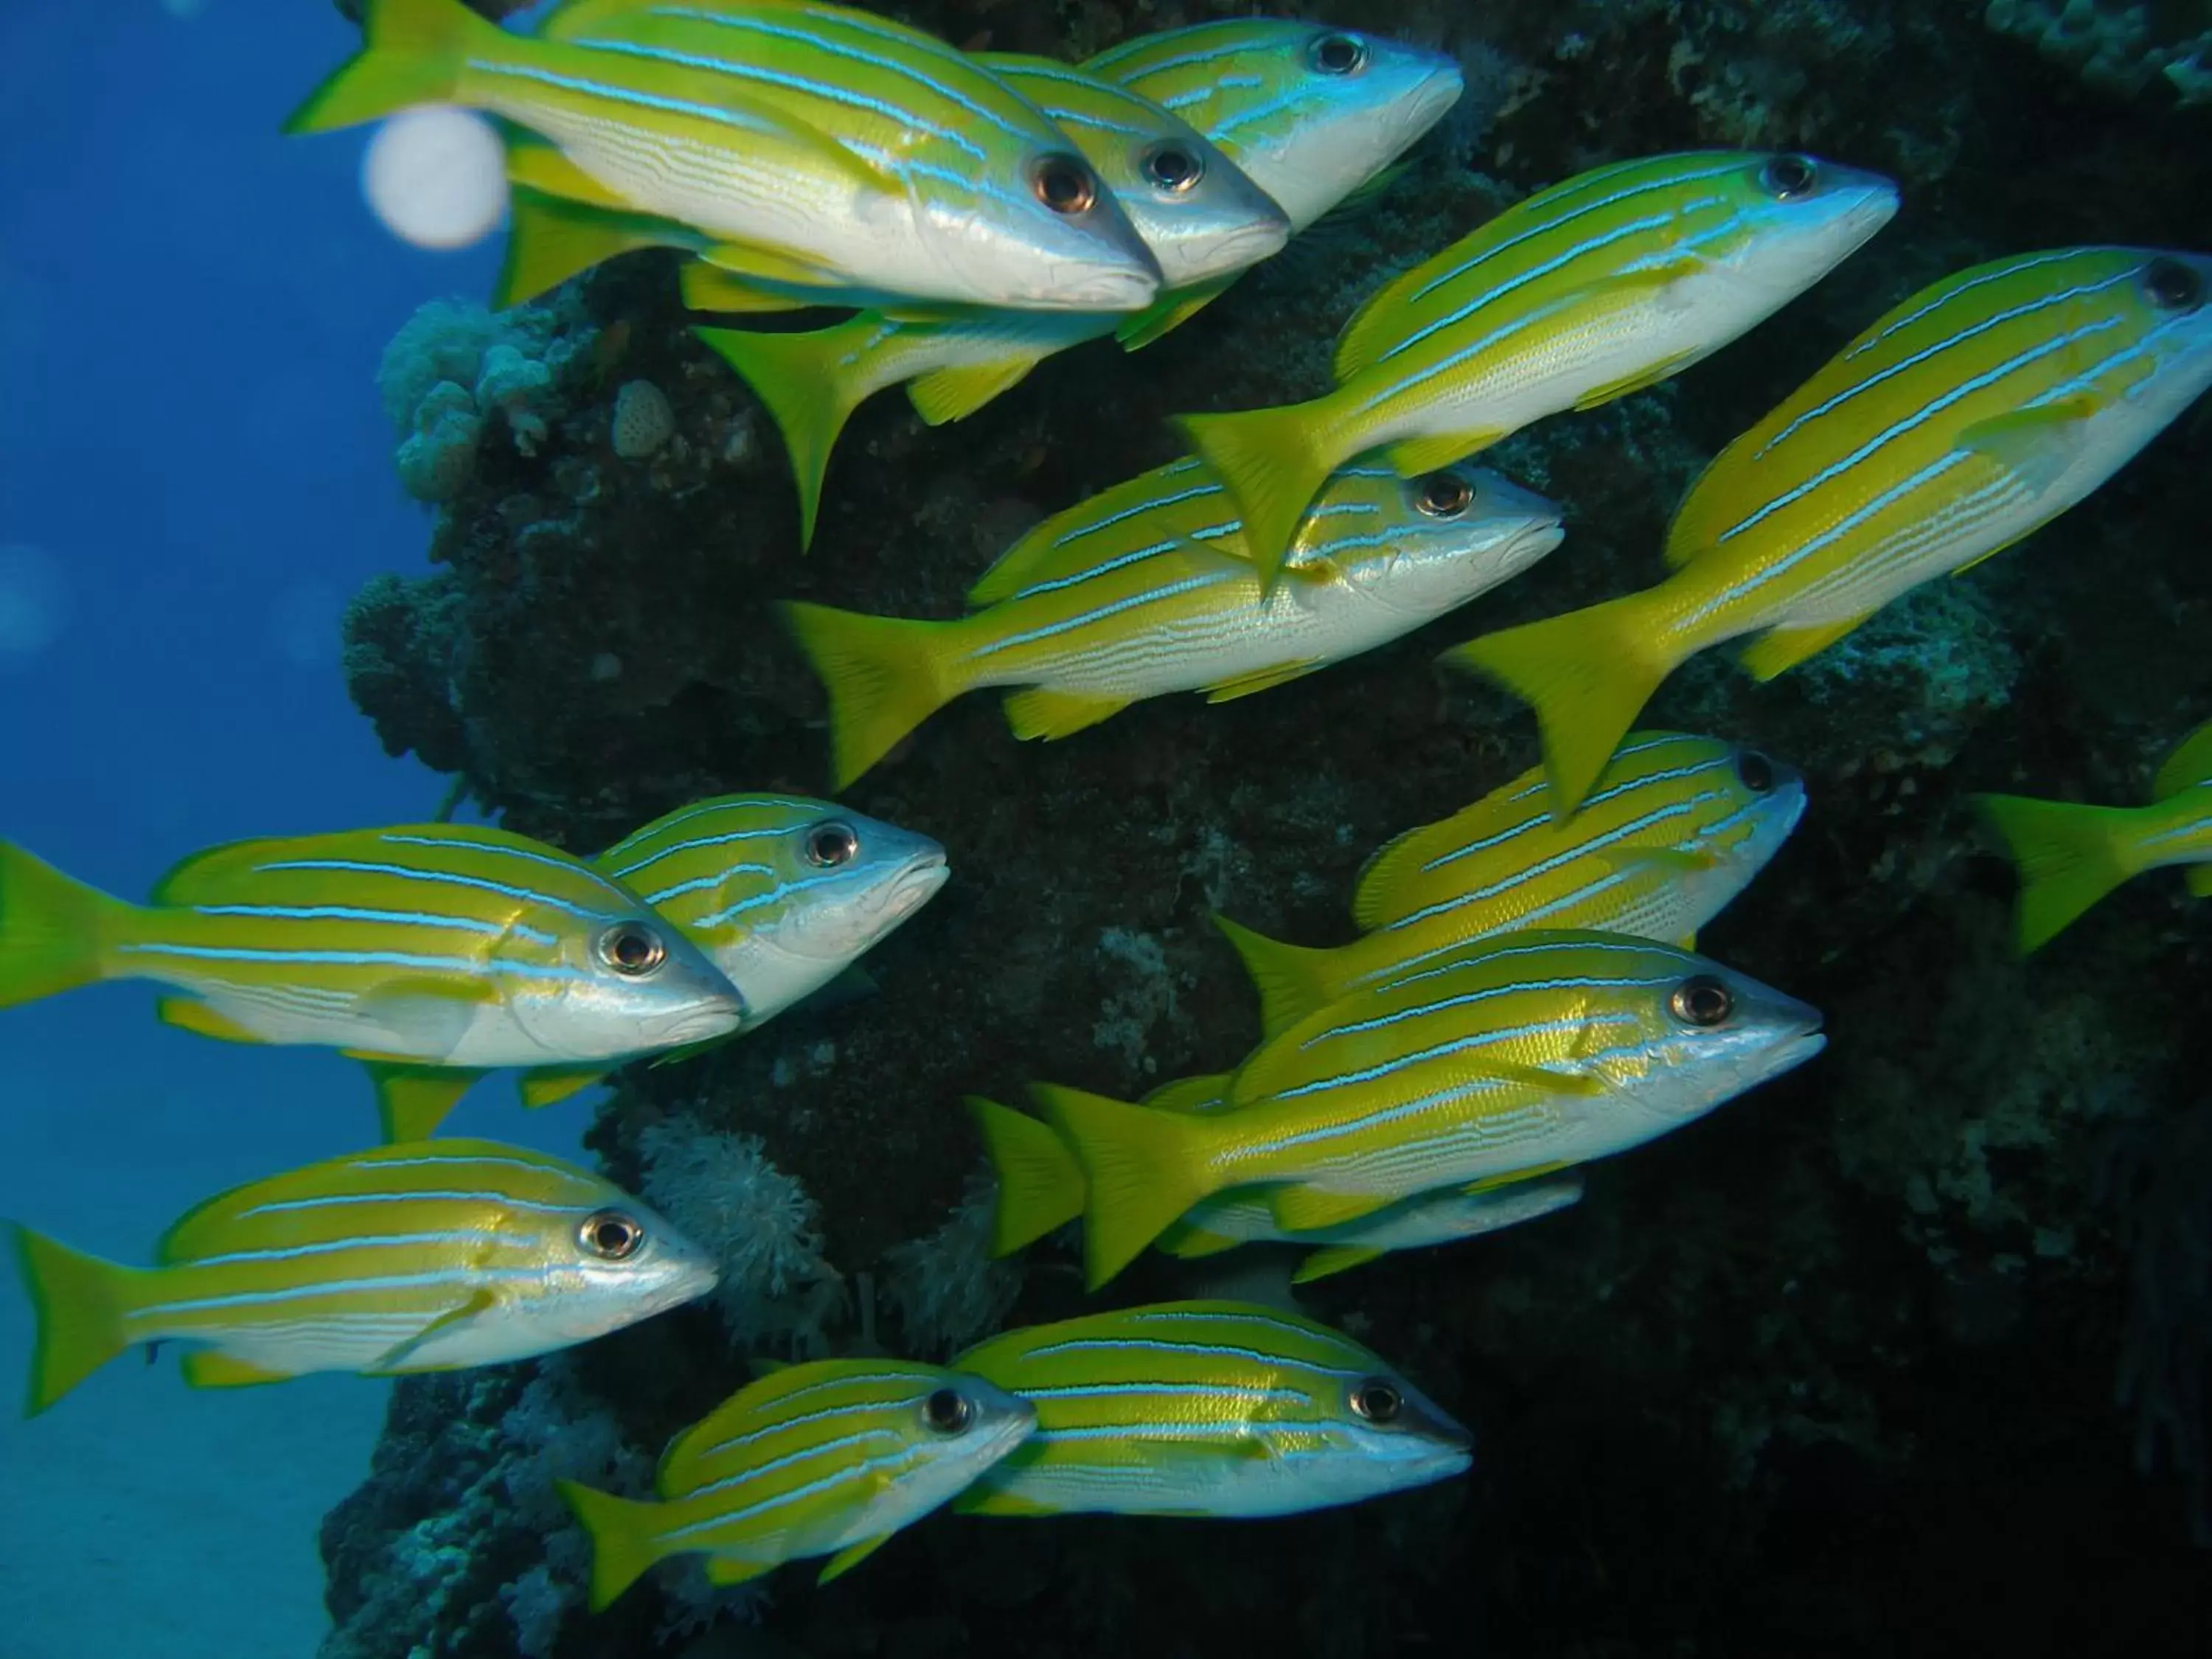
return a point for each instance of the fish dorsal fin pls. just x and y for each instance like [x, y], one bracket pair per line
[549, 1085]
[2188, 765]
[1170, 311]
[1206, 1093]
[1334, 1259]
[710, 288]
[402, 1358]
[412, 1101]
[851, 1556]
[1780, 649]
[1040, 712]
[945, 395]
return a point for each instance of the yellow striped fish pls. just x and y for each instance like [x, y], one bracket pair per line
[1975, 412]
[819, 148]
[1144, 593]
[2071, 856]
[1040, 1187]
[430, 1257]
[780, 893]
[1581, 294]
[1676, 828]
[1307, 135]
[454, 945]
[1205, 1408]
[826, 1458]
[1517, 1057]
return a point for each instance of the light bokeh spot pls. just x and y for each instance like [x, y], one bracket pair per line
[35, 602]
[437, 176]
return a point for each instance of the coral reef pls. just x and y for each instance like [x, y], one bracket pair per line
[1846, 1350]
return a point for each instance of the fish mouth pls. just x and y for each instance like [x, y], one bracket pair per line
[1241, 244]
[1101, 288]
[917, 883]
[1426, 103]
[698, 1023]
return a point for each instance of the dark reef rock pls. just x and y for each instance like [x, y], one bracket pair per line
[1832, 1371]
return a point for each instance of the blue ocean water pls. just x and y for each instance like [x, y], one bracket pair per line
[194, 476]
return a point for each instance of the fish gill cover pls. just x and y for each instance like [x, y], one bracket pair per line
[1833, 1371]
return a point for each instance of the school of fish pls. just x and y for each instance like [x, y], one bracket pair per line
[1523, 997]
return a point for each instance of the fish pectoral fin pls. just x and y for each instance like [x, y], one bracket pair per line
[1334, 1259]
[549, 1085]
[1169, 313]
[1305, 1209]
[211, 1368]
[2198, 879]
[710, 288]
[430, 1016]
[952, 394]
[1671, 861]
[397, 1358]
[1640, 380]
[723, 1570]
[851, 1556]
[2037, 444]
[1243, 685]
[1781, 649]
[412, 1101]
[191, 1014]
[1409, 458]
[1042, 713]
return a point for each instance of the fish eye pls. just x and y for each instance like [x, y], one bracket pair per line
[1377, 1400]
[2173, 286]
[631, 950]
[610, 1236]
[1444, 494]
[828, 845]
[1702, 1001]
[1064, 185]
[1338, 54]
[1756, 771]
[1174, 168]
[1786, 177]
[947, 1411]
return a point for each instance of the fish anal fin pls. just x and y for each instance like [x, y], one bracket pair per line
[1779, 650]
[1263, 679]
[762, 262]
[191, 1014]
[726, 1569]
[952, 394]
[1305, 1209]
[535, 165]
[709, 288]
[412, 1101]
[549, 241]
[2198, 879]
[401, 1357]
[851, 1556]
[1188, 1243]
[1412, 457]
[981, 1500]
[1334, 1259]
[1040, 712]
[1514, 1177]
[211, 1368]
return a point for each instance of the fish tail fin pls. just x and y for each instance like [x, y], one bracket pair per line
[1292, 980]
[1143, 1169]
[1040, 1183]
[412, 53]
[1274, 462]
[2069, 857]
[802, 380]
[1588, 675]
[623, 1534]
[81, 1304]
[882, 676]
[54, 929]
